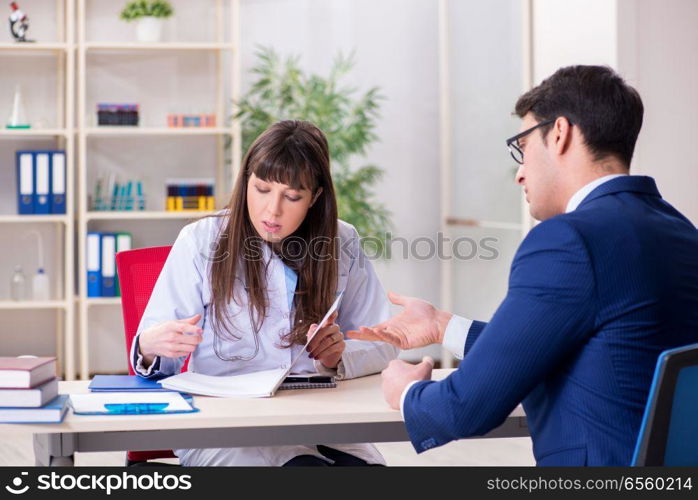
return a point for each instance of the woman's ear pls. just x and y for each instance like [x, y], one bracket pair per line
[316, 196]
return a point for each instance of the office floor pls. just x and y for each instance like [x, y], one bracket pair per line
[18, 451]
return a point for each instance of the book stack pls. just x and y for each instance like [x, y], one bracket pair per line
[178, 120]
[29, 390]
[102, 280]
[117, 114]
[190, 194]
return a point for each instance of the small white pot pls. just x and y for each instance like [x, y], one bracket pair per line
[149, 29]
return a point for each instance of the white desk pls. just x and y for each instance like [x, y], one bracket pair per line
[353, 412]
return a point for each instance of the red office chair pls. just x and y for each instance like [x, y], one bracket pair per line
[138, 271]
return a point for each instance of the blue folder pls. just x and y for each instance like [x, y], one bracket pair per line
[109, 383]
[25, 182]
[42, 182]
[108, 264]
[94, 264]
[58, 180]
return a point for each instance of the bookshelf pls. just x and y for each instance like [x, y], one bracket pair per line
[56, 58]
[97, 61]
[68, 50]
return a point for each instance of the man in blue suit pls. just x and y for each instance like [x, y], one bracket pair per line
[597, 290]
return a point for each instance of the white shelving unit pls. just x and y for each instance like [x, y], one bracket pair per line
[227, 77]
[63, 136]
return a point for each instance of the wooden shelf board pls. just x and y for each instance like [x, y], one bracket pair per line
[159, 46]
[103, 301]
[24, 219]
[132, 131]
[32, 132]
[145, 215]
[33, 46]
[32, 304]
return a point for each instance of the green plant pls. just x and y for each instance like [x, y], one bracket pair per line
[284, 91]
[146, 8]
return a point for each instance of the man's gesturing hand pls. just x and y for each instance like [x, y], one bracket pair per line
[417, 325]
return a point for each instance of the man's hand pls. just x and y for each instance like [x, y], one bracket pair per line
[418, 325]
[399, 374]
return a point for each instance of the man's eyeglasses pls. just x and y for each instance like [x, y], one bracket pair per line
[513, 142]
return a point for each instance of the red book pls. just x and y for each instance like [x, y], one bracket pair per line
[25, 373]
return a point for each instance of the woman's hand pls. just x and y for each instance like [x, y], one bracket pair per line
[171, 339]
[326, 344]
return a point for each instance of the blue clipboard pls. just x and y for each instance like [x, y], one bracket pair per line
[136, 408]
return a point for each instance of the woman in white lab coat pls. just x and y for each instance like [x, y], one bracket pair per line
[241, 290]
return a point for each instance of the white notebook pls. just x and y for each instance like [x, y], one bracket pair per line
[261, 384]
[250, 385]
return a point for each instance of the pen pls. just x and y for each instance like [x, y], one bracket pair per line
[135, 408]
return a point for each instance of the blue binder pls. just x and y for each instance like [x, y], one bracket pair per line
[42, 182]
[94, 265]
[108, 251]
[57, 182]
[25, 182]
[118, 383]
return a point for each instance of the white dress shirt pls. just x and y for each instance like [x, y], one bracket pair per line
[579, 196]
[183, 289]
[457, 329]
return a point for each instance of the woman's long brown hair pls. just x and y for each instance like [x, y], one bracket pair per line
[294, 153]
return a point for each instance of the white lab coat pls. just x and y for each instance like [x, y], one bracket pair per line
[183, 290]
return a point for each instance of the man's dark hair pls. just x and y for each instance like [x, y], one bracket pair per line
[596, 99]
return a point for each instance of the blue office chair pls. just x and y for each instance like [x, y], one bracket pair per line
[669, 431]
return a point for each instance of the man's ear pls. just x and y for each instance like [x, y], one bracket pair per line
[316, 196]
[562, 135]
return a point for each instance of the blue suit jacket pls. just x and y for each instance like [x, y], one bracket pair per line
[594, 296]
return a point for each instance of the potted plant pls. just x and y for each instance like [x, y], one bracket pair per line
[149, 16]
[282, 90]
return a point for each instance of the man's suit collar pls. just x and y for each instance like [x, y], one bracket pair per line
[627, 183]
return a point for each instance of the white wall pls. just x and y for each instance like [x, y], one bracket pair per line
[658, 53]
[652, 44]
[486, 64]
[395, 44]
[573, 32]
